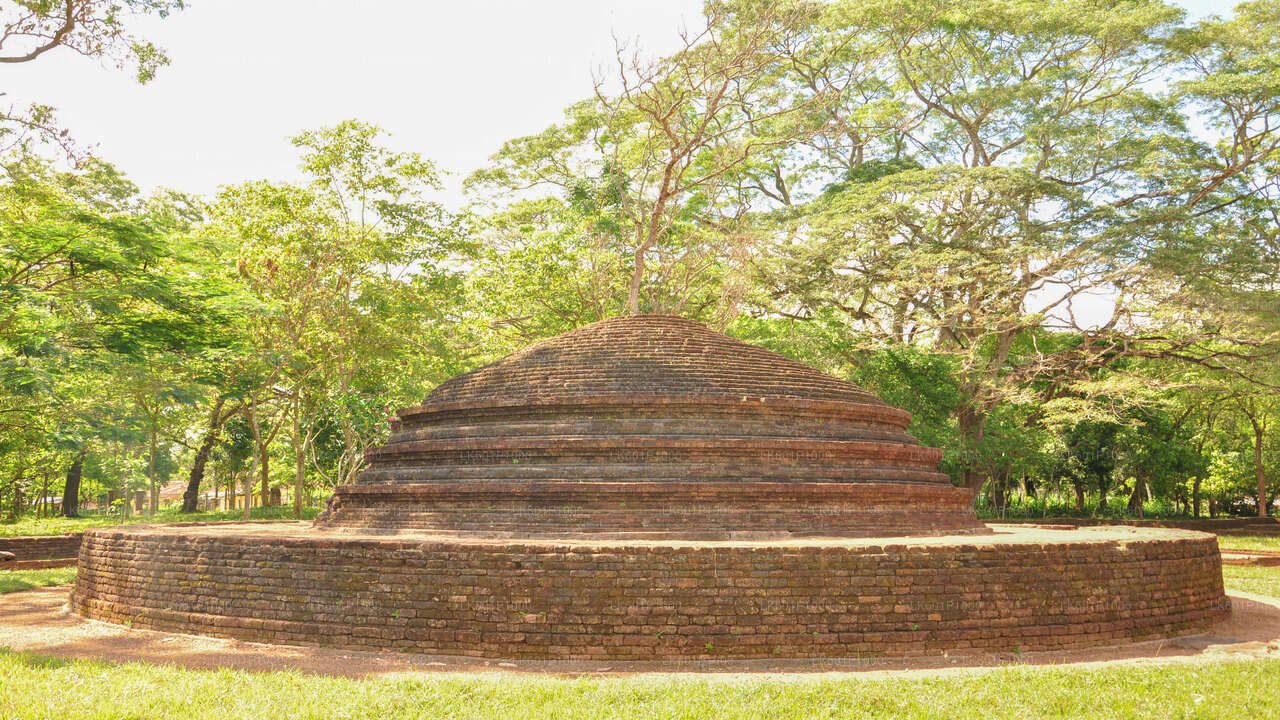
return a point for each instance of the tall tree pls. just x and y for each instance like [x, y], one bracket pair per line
[99, 299]
[352, 275]
[1029, 157]
[647, 170]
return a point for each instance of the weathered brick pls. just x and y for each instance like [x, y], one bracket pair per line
[645, 488]
[136, 574]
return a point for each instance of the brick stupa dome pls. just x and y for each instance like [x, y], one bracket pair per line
[634, 491]
[653, 426]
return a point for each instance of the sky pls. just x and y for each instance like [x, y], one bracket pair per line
[450, 79]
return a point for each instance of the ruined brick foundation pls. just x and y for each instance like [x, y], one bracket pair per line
[643, 488]
[1021, 590]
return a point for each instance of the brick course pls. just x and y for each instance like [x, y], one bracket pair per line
[653, 425]
[1032, 590]
[644, 488]
[41, 547]
[689, 510]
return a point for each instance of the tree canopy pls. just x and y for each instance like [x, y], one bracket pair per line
[1047, 229]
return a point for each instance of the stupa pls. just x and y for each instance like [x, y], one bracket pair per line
[653, 426]
[644, 488]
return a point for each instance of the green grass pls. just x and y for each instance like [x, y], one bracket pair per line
[1249, 542]
[1261, 580]
[15, 580]
[59, 525]
[37, 687]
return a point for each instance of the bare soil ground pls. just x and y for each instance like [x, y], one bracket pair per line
[38, 621]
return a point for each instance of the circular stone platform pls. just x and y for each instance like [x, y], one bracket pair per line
[1017, 589]
[641, 489]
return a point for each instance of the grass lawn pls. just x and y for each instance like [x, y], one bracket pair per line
[1249, 542]
[1261, 580]
[15, 580]
[59, 525]
[36, 687]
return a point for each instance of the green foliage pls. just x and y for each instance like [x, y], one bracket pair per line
[60, 525]
[992, 163]
[92, 28]
[105, 307]
[914, 195]
[15, 580]
[354, 296]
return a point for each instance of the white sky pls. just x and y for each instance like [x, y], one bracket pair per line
[450, 79]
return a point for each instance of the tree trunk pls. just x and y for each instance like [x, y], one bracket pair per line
[263, 470]
[1257, 466]
[1195, 497]
[192, 494]
[996, 490]
[972, 430]
[253, 463]
[633, 292]
[151, 475]
[13, 486]
[1139, 496]
[1079, 497]
[299, 456]
[248, 489]
[1102, 497]
[126, 495]
[71, 490]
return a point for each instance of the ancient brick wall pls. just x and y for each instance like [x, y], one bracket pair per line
[645, 355]
[657, 425]
[46, 547]
[648, 438]
[538, 599]
[537, 489]
[688, 510]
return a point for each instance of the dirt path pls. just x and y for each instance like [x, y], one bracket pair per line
[37, 621]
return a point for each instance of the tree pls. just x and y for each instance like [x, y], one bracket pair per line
[351, 277]
[1157, 450]
[92, 28]
[218, 416]
[100, 299]
[1260, 411]
[1019, 158]
[647, 171]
